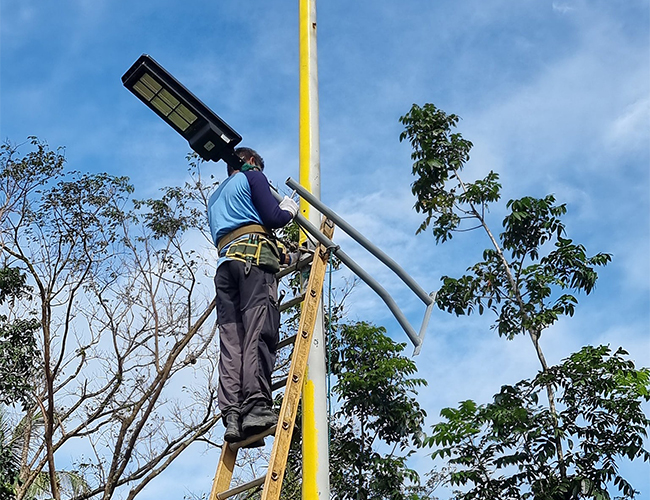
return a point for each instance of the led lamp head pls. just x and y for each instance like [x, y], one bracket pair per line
[208, 135]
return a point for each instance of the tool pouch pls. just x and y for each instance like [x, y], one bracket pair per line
[256, 250]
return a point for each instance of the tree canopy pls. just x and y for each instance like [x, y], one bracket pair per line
[101, 298]
[517, 446]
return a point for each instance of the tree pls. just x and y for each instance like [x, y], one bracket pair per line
[9, 460]
[120, 317]
[378, 423]
[506, 449]
[18, 361]
[529, 279]
[18, 352]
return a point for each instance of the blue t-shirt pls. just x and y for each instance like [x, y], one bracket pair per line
[244, 198]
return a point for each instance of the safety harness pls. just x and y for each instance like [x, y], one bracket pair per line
[261, 248]
[241, 231]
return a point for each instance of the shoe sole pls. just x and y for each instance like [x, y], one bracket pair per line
[256, 425]
[232, 438]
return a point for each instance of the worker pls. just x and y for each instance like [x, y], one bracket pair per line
[242, 213]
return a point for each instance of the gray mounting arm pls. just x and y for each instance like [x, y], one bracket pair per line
[428, 299]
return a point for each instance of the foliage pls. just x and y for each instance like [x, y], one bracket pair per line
[506, 449]
[113, 297]
[438, 155]
[514, 280]
[378, 422]
[532, 305]
[18, 351]
[529, 278]
[18, 366]
[9, 460]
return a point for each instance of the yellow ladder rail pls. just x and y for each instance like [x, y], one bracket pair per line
[287, 418]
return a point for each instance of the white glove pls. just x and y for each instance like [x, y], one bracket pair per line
[289, 205]
[291, 258]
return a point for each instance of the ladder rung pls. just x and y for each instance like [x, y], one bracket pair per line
[290, 303]
[286, 342]
[278, 384]
[240, 444]
[240, 489]
[295, 267]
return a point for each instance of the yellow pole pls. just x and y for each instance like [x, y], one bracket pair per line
[309, 133]
[315, 452]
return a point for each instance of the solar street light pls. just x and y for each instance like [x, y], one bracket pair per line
[208, 135]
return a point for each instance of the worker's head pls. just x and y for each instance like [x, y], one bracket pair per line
[249, 156]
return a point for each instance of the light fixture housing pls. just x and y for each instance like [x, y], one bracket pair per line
[208, 135]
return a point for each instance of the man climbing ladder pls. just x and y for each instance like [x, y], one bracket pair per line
[272, 481]
[242, 213]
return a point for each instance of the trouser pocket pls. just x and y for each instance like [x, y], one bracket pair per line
[273, 312]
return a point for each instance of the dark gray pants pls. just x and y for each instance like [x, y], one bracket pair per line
[249, 320]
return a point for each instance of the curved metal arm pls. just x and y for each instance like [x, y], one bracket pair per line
[361, 239]
[428, 299]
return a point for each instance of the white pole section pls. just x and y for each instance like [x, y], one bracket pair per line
[315, 446]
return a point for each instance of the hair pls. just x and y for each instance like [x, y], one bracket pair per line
[245, 154]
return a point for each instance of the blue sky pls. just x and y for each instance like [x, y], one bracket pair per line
[555, 96]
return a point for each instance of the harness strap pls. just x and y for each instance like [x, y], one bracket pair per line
[241, 231]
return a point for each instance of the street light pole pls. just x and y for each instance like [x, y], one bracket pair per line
[315, 425]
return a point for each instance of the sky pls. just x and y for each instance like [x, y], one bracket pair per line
[554, 95]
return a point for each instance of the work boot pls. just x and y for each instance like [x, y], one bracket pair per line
[258, 420]
[231, 422]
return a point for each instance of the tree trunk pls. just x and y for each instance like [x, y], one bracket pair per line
[534, 335]
[49, 410]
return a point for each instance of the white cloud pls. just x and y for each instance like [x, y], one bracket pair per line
[631, 128]
[562, 8]
[596, 93]
[633, 258]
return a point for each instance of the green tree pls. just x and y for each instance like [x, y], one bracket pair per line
[120, 317]
[529, 279]
[18, 365]
[506, 449]
[9, 459]
[378, 422]
[18, 352]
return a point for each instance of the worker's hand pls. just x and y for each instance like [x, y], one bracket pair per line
[291, 258]
[302, 253]
[289, 205]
